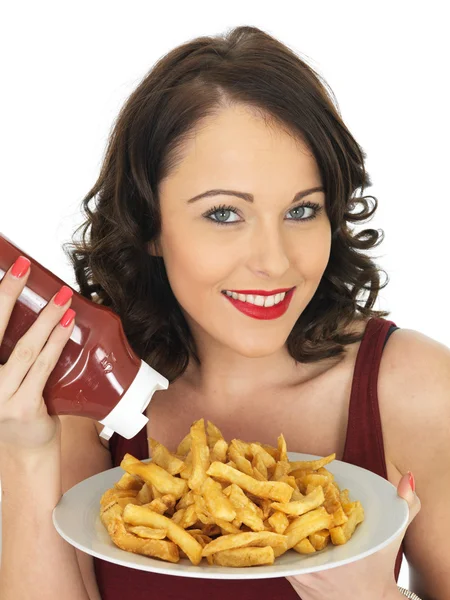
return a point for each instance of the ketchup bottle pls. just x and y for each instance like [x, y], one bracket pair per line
[97, 375]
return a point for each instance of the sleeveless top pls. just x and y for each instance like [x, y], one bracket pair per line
[363, 447]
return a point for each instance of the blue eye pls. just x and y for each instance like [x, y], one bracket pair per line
[225, 211]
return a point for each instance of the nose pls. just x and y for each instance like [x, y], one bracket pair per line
[268, 252]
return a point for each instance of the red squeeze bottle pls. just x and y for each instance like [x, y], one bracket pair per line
[97, 375]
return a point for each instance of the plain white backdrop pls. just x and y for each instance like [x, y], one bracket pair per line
[68, 68]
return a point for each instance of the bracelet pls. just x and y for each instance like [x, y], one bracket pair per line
[408, 594]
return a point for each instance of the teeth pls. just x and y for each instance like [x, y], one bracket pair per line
[257, 300]
[269, 301]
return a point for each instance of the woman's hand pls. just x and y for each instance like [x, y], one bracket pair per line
[370, 578]
[24, 421]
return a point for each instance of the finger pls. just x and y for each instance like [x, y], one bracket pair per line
[10, 289]
[30, 345]
[34, 383]
[405, 490]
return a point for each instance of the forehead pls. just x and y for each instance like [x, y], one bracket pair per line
[238, 146]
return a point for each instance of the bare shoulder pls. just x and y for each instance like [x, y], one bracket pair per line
[414, 380]
[414, 397]
[414, 392]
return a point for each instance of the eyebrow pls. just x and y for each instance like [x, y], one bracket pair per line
[249, 197]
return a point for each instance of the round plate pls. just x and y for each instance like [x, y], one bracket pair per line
[77, 520]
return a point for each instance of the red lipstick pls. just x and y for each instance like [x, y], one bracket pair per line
[262, 312]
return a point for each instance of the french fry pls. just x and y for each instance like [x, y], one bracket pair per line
[219, 451]
[186, 471]
[341, 534]
[213, 434]
[259, 465]
[314, 465]
[239, 540]
[237, 455]
[320, 539]
[247, 512]
[266, 457]
[200, 455]
[165, 459]
[186, 500]
[300, 507]
[145, 494]
[113, 521]
[155, 492]
[245, 557]
[147, 532]
[270, 450]
[304, 547]
[113, 496]
[124, 501]
[157, 505]
[272, 490]
[306, 524]
[278, 521]
[281, 470]
[138, 515]
[282, 449]
[243, 447]
[185, 445]
[157, 476]
[189, 517]
[226, 527]
[265, 505]
[314, 479]
[129, 482]
[240, 500]
[217, 504]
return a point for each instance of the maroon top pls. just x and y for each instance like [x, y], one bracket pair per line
[363, 447]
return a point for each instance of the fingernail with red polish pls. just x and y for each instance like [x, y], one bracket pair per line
[20, 267]
[63, 296]
[412, 483]
[68, 317]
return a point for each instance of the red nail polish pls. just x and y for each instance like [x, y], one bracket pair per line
[68, 317]
[63, 296]
[20, 267]
[412, 483]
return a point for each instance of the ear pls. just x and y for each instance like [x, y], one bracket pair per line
[153, 248]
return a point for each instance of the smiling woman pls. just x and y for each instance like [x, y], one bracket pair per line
[199, 129]
[222, 233]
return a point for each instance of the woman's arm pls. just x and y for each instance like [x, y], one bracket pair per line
[414, 397]
[36, 561]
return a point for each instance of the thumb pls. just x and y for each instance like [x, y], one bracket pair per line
[406, 490]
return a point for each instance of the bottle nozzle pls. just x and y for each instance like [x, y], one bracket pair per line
[126, 417]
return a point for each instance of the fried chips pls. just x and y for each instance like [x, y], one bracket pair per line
[235, 504]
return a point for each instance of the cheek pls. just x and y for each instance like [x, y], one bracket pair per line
[311, 253]
[194, 260]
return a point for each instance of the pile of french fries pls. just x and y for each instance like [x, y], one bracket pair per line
[236, 504]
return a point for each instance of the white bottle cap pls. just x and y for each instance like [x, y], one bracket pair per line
[126, 417]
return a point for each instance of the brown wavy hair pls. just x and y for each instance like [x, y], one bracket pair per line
[245, 66]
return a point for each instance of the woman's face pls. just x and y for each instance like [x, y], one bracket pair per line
[267, 244]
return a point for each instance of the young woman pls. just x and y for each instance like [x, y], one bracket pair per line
[229, 187]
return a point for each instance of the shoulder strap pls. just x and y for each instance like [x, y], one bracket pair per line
[364, 442]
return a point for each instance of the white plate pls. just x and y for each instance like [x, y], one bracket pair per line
[77, 520]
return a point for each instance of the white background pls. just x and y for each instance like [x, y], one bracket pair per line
[67, 70]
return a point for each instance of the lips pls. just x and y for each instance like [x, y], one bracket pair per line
[262, 312]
